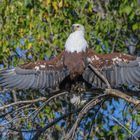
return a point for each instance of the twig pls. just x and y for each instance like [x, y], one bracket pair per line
[41, 130]
[86, 108]
[122, 95]
[16, 118]
[18, 109]
[48, 125]
[100, 75]
[14, 95]
[124, 127]
[93, 118]
[115, 40]
[13, 112]
[47, 101]
[22, 102]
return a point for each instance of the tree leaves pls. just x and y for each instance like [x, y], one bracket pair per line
[49, 23]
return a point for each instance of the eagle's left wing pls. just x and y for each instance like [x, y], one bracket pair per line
[35, 75]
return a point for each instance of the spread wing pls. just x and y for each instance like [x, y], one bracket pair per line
[118, 69]
[117, 75]
[37, 75]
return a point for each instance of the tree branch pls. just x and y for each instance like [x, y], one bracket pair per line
[129, 131]
[84, 111]
[122, 95]
[100, 75]
[48, 100]
[41, 130]
[22, 102]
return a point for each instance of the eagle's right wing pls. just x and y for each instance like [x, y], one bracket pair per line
[117, 75]
[118, 68]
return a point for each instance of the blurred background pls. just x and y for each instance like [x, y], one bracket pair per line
[37, 29]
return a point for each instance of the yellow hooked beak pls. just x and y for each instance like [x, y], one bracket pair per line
[75, 28]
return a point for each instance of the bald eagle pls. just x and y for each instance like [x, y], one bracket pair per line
[73, 64]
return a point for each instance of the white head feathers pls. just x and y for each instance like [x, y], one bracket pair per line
[76, 41]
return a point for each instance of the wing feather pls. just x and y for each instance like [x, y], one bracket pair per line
[44, 79]
[40, 80]
[24, 83]
[117, 74]
[50, 79]
[47, 80]
[37, 75]
[14, 81]
[31, 81]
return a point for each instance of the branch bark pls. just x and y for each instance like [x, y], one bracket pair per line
[100, 75]
[84, 111]
[48, 100]
[122, 95]
[22, 102]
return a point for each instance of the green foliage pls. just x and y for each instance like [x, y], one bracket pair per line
[48, 23]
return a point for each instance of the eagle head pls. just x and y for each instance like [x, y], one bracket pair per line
[78, 27]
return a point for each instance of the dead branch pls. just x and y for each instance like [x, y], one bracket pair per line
[22, 102]
[16, 118]
[84, 111]
[129, 131]
[47, 101]
[93, 118]
[41, 130]
[100, 75]
[122, 95]
[115, 40]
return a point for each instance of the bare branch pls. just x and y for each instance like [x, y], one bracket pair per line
[16, 118]
[47, 101]
[22, 102]
[14, 95]
[115, 40]
[100, 75]
[41, 130]
[93, 118]
[83, 112]
[122, 95]
[124, 127]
